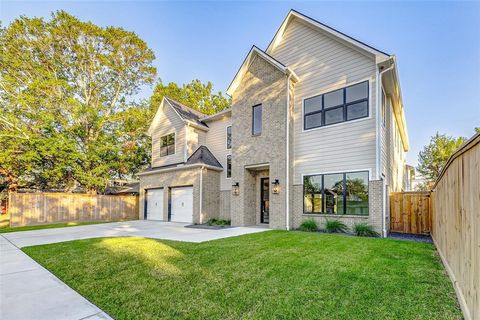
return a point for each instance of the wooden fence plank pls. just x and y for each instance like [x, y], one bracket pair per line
[456, 223]
[40, 208]
[410, 212]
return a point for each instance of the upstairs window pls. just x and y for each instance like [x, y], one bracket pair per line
[337, 106]
[229, 166]
[229, 137]
[167, 145]
[257, 120]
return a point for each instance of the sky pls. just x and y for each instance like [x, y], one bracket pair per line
[437, 45]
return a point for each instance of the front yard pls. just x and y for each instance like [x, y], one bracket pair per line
[269, 275]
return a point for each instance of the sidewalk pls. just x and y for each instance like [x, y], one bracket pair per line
[29, 291]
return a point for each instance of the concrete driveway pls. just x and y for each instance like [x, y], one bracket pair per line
[29, 291]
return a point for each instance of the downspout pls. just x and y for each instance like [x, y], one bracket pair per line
[201, 194]
[379, 101]
[287, 180]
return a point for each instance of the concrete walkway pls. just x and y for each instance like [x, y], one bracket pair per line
[29, 291]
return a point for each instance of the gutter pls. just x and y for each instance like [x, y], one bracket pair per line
[287, 180]
[201, 194]
[181, 167]
[378, 101]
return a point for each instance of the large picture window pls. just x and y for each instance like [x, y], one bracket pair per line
[341, 105]
[167, 145]
[337, 193]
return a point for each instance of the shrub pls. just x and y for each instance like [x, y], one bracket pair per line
[334, 226]
[218, 222]
[364, 230]
[309, 225]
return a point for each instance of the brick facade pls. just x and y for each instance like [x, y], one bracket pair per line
[187, 176]
[262, 84]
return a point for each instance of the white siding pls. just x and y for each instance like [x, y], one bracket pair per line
[216, 141]
[323, 64]
[397, 156]
[168, 122]
[384, 137]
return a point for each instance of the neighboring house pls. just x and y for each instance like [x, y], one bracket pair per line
[316, 130]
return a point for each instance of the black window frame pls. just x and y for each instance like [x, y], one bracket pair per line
[167, 145]
[344, 196]
[228, 169]
[228, 141]
[345, 106]
[253, 119]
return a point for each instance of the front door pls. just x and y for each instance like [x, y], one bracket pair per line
[264, 199]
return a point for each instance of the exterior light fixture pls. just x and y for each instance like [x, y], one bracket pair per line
[275, 186]
[236, 189]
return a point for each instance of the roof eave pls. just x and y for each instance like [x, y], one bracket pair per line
[246, 63]
[339, 35]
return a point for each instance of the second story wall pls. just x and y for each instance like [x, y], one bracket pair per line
[216, 141]
[168, 122]
[323, 65]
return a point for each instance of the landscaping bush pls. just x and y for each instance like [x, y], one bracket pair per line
[334, 226]
[364, 230]
[218, 222]
[309, 225]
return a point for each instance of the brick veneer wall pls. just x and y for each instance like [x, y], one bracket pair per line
[266, 85]
[185, 177]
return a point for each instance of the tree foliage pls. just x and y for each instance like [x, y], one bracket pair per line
[434, 155]
[195, 94]
[67, 113]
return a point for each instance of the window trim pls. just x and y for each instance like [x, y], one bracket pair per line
[226, 137]
[174, 144]
[253, 119]
[369, 171]
[226, 166]
[332, 89]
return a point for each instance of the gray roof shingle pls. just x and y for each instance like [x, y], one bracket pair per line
[204, 156]
[187, 113]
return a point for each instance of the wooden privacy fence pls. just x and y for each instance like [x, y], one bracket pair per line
[39, 208]
[410, 212]
[456, 223]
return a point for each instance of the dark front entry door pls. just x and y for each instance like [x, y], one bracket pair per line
[265, 199]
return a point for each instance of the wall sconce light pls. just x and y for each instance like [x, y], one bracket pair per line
[275, 186]
[236, 189]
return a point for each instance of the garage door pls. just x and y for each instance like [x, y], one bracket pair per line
[155, 204]
[182, 204]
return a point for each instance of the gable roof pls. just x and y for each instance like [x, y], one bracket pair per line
[203, 156]
[342, 37]
[186, 114]
[255, 51]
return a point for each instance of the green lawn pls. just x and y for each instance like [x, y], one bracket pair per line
[6, 228]
[271, 275]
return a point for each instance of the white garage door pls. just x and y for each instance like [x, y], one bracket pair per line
[182, 204]
[155, 204]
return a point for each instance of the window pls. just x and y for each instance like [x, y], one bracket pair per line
[257, 120]
[229, 137]
[337, 193]
[337, 106]
[167, 145]
[229, 166]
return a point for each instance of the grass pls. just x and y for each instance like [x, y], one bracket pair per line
[7, 229]
[269, 275]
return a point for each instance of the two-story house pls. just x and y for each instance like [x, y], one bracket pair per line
[316, 130]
